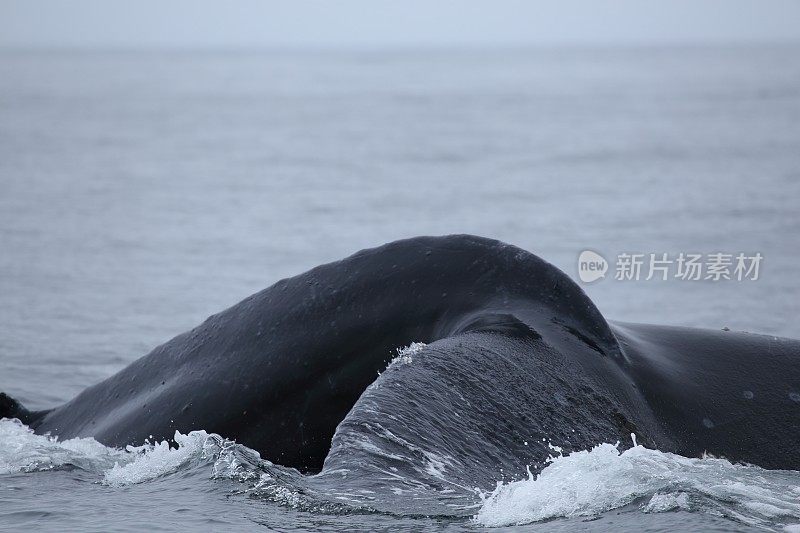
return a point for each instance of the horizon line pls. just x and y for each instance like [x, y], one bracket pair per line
[391, 47]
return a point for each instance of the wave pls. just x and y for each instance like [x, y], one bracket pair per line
[580, 484]
[23, 451]
[590, 482]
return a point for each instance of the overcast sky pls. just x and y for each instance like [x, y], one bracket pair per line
[347, 23]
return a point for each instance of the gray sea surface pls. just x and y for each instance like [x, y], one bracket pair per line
[142, 191]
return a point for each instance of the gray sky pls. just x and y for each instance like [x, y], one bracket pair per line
[346, 23]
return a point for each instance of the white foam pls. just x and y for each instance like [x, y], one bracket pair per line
[590, 482]
[670, 501]
[405, 355]
[156, 460]
[23, 451]
[584, 483]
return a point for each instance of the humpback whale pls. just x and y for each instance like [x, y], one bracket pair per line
[510, 350]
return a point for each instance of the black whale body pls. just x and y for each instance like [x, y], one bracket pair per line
[516, 356]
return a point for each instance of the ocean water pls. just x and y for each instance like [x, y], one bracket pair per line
[141, 192]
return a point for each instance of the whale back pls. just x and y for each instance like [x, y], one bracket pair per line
[279, 370]
[730, 394]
